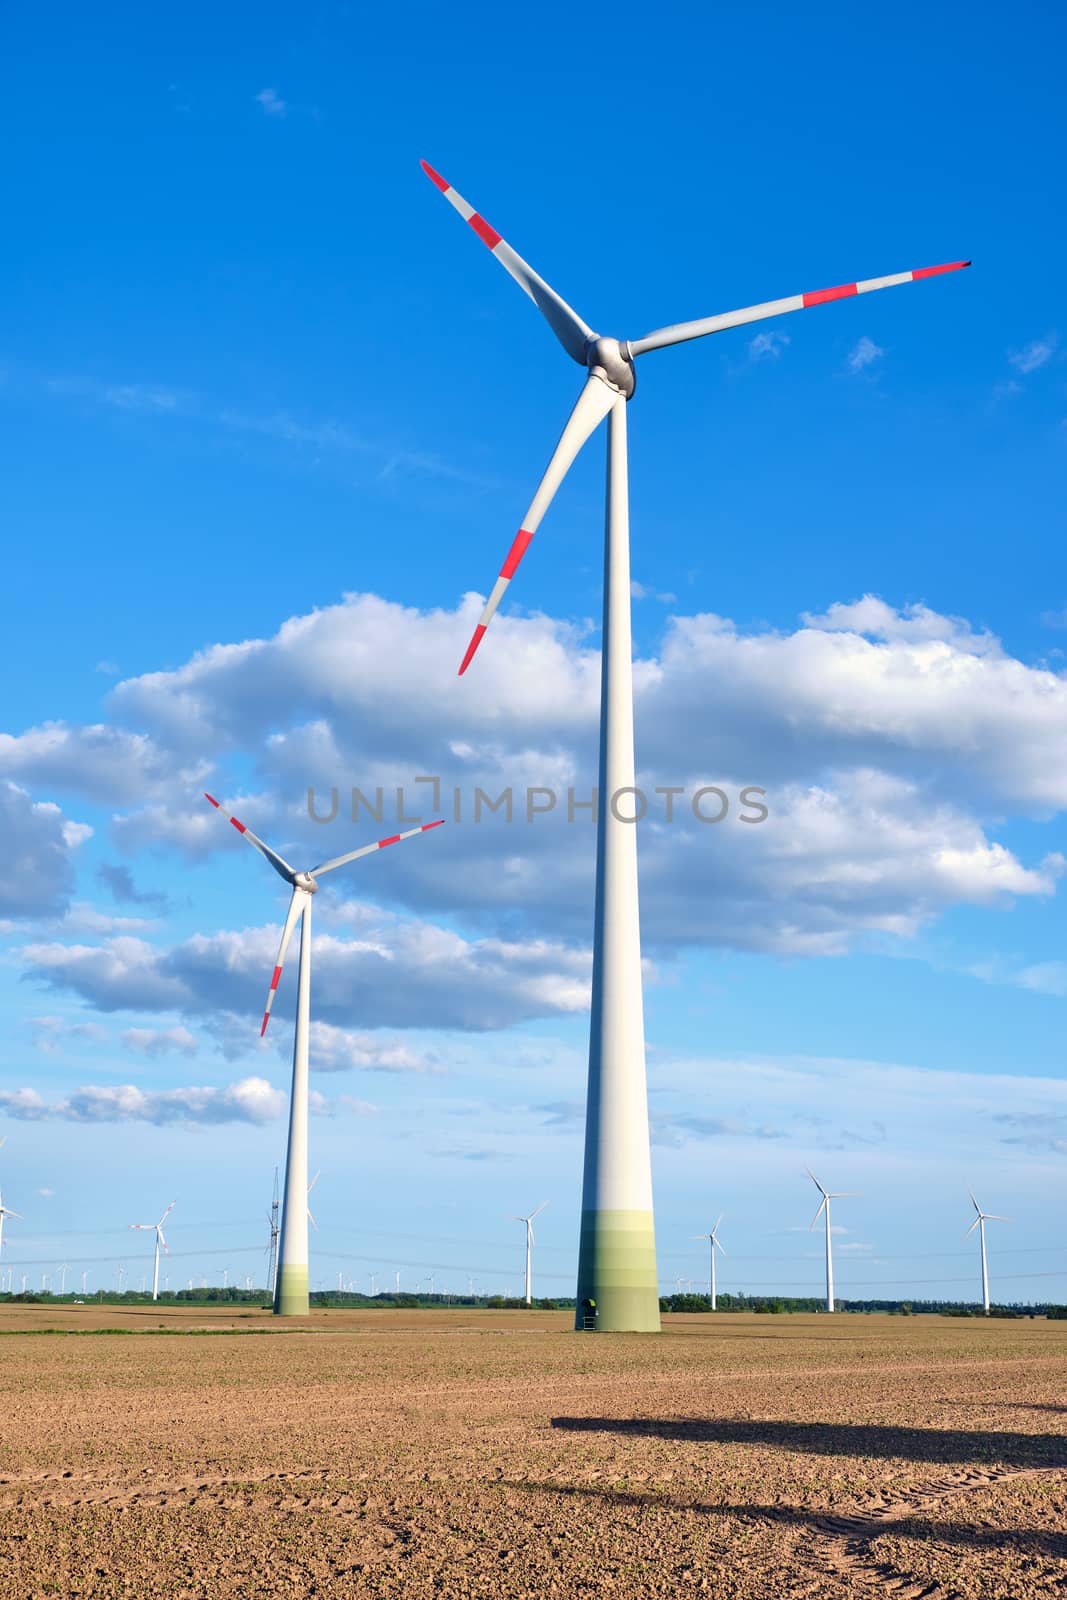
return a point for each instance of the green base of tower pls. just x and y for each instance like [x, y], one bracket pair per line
[291, 1292]
[617, 1273]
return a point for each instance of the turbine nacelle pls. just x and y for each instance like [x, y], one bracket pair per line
[610, 360]
[304, 880]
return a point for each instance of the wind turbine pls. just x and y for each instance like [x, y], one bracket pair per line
[157, 1229]
[291, 1280]
[311, 1186]
[529, 1245]
[980, 1220]
[617, 1250]
[824, 1208]
[713, 1245]
[5, 1211]
[272, 1248]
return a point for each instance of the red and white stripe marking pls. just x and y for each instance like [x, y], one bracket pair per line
[519, 547]
[488, 235]
[238, 825]
[818, 297]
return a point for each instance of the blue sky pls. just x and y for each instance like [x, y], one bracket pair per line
[252, 365]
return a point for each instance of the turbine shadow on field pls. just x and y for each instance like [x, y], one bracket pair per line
[952, 1445]
[916, 1524]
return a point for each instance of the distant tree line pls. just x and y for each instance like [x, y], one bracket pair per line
[778, 1305]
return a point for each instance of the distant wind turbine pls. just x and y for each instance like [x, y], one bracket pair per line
[824, 1207]
[980, 1220]
[530, 1241]
[713, 1245]
[291, 1288]
[5, 1211]
[157, 1229]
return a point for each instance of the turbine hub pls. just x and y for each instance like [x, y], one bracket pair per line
[304, 880]
[610, 360]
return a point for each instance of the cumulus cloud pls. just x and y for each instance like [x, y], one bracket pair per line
[891, 743]
[42, 841]
[101, 763]
[410, 973]
[119, 880]
[248, 1100]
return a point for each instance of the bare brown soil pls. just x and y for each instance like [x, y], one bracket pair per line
[499, 1455]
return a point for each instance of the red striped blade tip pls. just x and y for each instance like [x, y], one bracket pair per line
[393, 839]
[211, 797]
[266, 1019]
[438, 824]
[932, 272]
[434, 177]
[476, 638]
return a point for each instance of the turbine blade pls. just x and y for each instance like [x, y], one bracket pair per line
[296, 907]
[972, 1227]
[167, 1213]
[163, 1242]
[593, 405]
[994, 1216]
[21, 1218]
[683, 331]
[815, 1181]
[280, 865]
[818, 1213]
[539, 1210]
[718, 1246]
[572, 333]
[369, 849]
[314, 1181]
[311, 1219]
[974, 1203]
[718, 1225]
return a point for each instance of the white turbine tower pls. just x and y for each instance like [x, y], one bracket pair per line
[824, 1209]
[291, 1285]
[617, 1282]
[530, 1242]
[6, 1211]
[980, 1220]
[157, 1229]
[713, 1245]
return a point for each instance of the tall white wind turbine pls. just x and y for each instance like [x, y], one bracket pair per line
[6, 1211]
[291, 1282]
[530, 1242]
[617, 1250]
[824, 1210]
[157, 1229]
[713, 1245]
[980, 1220]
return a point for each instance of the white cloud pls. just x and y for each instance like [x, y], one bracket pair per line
[892, 743]
[99, 762]
[1038, 353]
[271, 103]
[863, 354]
[42, 842]
[410, 974]
[248, 1100]
[155, 1042]
[767, 345]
